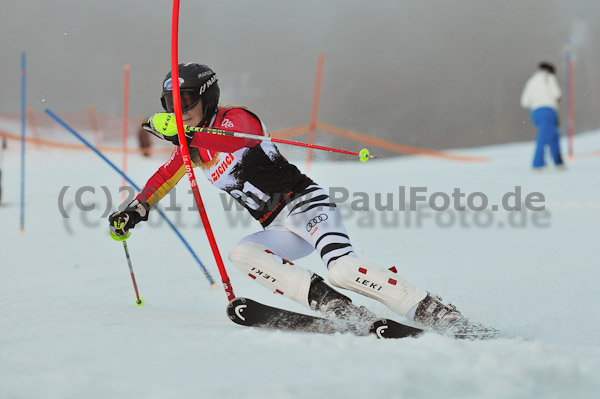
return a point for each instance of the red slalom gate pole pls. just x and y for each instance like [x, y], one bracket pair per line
[185, 153]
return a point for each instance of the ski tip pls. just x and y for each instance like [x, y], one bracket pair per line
[378, 328]
[235, 310]
[387, 329]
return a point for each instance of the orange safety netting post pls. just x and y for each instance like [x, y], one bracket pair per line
[126, 69]
[94, 124]
[314, 112]
[570, 101]
[33, 124]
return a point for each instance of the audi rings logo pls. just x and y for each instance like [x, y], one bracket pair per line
[315, 221]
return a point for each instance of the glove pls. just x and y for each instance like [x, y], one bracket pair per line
[121, 221]
[164, 126]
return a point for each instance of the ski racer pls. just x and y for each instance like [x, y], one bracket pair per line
[296, 214]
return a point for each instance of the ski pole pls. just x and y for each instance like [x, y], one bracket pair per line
[363, 154]
[138, 300]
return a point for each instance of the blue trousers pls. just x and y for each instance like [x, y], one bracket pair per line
[546, 121]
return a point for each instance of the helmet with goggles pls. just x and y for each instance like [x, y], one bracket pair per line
[196, 82]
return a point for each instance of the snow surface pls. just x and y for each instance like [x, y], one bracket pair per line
[69, 327]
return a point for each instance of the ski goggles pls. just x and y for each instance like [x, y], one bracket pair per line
[189, 99]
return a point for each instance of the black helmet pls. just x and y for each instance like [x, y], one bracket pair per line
[196, 81]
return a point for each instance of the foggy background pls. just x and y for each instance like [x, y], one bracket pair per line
[436, 73]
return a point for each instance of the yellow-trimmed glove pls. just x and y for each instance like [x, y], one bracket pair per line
[121, 221]
[164, 126]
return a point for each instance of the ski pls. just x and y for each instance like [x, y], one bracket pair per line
[387, 328]
[249, 313]
[390, 329]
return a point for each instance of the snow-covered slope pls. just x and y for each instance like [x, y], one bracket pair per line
[69, 327]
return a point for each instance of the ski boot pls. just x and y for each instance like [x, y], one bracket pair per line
[446, 319]
[336, 306]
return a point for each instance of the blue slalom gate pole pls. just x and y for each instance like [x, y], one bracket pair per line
[119, 171]
[22, 217]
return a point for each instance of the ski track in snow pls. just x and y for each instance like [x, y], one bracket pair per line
[69, 327]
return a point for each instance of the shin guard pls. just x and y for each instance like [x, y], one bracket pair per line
[375, 282]
[273, 272]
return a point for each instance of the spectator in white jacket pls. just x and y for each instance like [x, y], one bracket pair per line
[541, 95]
